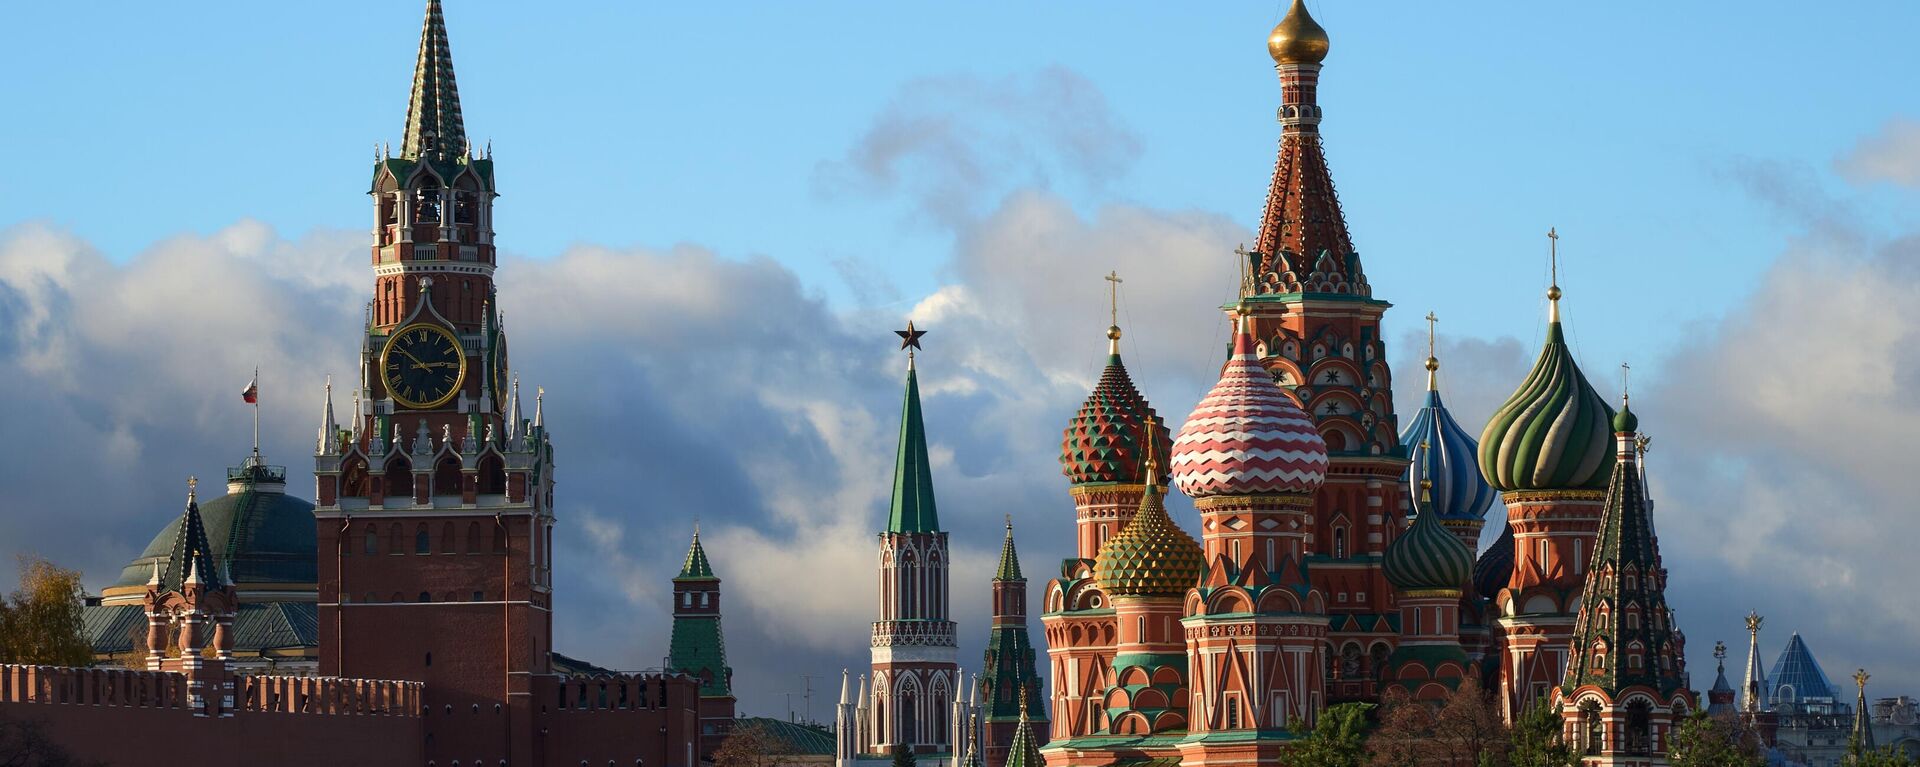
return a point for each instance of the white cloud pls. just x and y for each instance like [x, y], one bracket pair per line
[1891, 155]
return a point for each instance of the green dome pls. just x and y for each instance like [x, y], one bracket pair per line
[1427, 557]
[1553, 434]
[1625, 420]
[258, 533]
[1152, 557]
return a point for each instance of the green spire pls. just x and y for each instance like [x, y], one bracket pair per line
[913, 510]
[696, 567]
[1009, 560]
[1023, 751]
[434, 126]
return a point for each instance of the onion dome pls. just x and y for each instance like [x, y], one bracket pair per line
[1625, 422]
[1495, 566]
[1553, 433]
[1152, 557]
[1298, 39]
[1247, 437]
[1445, 456]
[1426, 557]
[1105, 441]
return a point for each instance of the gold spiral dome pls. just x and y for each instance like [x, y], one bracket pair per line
[1298, 39]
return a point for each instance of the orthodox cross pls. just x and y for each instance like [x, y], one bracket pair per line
[1626, 379]
[1431, 319]
[1113, 298]
[1553, 255]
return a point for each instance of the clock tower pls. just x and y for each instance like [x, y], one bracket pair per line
[434, 494]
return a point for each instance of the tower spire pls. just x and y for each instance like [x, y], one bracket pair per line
[912, 510]
[434, 126]
[1303, 246]
[329, 428]
[1753, 688]
[1862, 721]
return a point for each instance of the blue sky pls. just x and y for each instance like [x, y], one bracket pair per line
[740, 200]
[1458, 132]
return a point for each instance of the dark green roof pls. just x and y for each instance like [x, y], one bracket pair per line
[696, 567]
[698, 647]
[913, 509]
[789, 738]
[434, 125]
[259, 535]
[257, 626]
[566, 665]
[1009, 569]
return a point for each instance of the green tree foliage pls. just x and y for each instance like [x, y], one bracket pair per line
[903, 756]
[1535, 739]
[1885, 756]
[40, 623]
[1338, 739]
[1706, 741]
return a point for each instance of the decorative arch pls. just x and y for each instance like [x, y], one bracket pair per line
[399, 478]
[446, 475]
[493, 474]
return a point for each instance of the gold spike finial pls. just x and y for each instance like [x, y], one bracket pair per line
[1433, 362]
[1553, 280]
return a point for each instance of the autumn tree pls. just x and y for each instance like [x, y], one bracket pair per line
[40, 623]
[1468, 730]
[747, 746]
[1338, 739]
[1405, 733]
[1700, 740]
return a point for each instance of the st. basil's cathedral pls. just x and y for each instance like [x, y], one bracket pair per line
[406, 616]
[1335, 557]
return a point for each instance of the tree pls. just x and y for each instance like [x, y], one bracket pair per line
[1885, 756]
[903, 756]
[1336, 740]
[40, 623]
[1405, 733]
[1536, 741]
[1701, 740]
[748, 745]
[1468, 730]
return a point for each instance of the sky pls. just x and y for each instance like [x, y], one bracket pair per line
[713, 216]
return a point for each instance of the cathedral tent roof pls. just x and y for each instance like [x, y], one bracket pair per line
[913, 509]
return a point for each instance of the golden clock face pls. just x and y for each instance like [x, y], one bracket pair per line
[422, 366]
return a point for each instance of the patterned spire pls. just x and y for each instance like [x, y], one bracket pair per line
[1753, 684]
[1862, 717]
[329, 426]
[1622, 637]
[1247, 437]
[913, 509]
[1009, 569]
[192, 556]
[1105, 441]
[696, 567]
[1428, 558]
[434, 126]
[1024, 752]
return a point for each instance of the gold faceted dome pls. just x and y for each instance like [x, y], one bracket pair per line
[1298, 39]
[1151, 556]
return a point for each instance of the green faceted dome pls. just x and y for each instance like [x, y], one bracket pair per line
[1427, 557]
[1553, 433]
[1152, 557]
[260, 535]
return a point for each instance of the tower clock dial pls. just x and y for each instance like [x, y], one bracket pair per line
[422, 366]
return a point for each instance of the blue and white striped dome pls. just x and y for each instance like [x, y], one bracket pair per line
[1450, 458]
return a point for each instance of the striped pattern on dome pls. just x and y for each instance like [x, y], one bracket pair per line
[1105, 441]
[1554, 433]
[1247, 437]
[1151, 557]
[1445, 455]
[1427, 557]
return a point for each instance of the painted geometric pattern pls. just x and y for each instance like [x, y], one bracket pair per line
[1151, 557]
[1554, 433]
[1622, 637]
[1247, 436]
[1105, 441]
[1303, 245]
[1449, 459]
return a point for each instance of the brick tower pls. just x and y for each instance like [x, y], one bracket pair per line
[915, 672]
[1626, 680]
[434, 503]
[1317, 327]
[1547, 451]
[698, 648]
[1008, 680]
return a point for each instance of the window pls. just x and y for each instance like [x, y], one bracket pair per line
[1544, 549]
[1233, 713]
[394, 541]
[1235, 546]
[1339, 543]
[1639, 729]
[373, 541]
[1592, 731]
[479, 596]
[425, 597]
[1579, 564]
[421, 545]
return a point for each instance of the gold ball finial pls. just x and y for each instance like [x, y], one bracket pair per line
[1113, 332]
[1433, 363]
[1298, 39]
[1553, 293]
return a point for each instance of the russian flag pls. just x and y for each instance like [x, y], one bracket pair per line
[252, 393]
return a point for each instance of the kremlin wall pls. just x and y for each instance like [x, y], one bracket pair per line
[405, 616]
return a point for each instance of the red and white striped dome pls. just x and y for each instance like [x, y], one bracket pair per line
[1247, 437]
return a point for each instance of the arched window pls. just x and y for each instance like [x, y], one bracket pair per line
[474, 541]
[1339, 543]
[446, 477]
[373, 541]
[399, 483]
[493, 476]
[396, 544]
[425, 597]
[1593, 732]
[446, 537]
[1233, 713]
[421, 544]
[1639, 728]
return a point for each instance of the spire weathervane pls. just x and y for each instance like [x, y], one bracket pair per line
[1433, 362]
[1860, 678]
[1553, 271]
[910, 340]
[193, 484]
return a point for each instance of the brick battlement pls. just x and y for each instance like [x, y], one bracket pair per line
[625, 692]
[92, 686]
[327, 695]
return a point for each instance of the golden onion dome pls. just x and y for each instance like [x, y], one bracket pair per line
[1151, 556]
[1298, 39]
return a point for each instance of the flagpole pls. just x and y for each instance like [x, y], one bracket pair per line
[256, 416]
